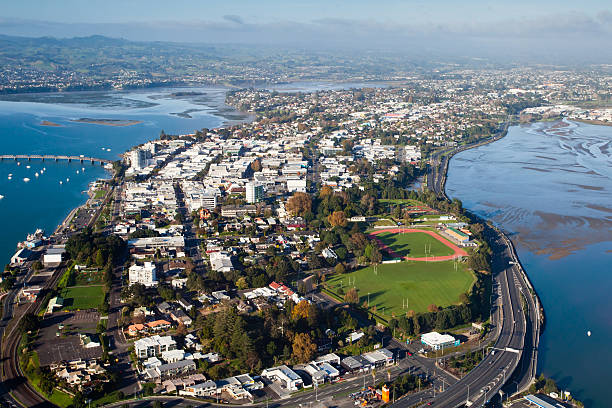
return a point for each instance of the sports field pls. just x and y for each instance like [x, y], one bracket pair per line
[416, 244]
[82, 297]
[421, 283]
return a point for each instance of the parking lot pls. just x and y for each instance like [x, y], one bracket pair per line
[52, 348]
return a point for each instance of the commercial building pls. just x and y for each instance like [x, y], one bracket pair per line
[254, 192]
[438, 341]
[54, 255]
[143, 274]
[286, 377]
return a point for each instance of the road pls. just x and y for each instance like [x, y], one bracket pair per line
[518, 329]
[336, 392]
[15, 389]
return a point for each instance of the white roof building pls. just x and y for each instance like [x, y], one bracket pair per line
[438, 341]
[145, 274]
[221, 261]
[285, 376]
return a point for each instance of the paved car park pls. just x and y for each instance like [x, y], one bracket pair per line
[59, 337]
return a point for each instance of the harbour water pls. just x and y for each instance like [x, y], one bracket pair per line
[550, 185]
[45, 124]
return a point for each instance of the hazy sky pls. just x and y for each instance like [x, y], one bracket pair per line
[266, 11]
[474, 27]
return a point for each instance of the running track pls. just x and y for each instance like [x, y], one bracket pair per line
[458, 252]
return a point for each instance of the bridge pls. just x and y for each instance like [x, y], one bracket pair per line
[44, 157]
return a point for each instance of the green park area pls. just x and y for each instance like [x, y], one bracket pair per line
[413, 244]
[418, 283]
[402, 201]
[82, 297]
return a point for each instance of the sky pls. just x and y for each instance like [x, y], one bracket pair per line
[473, 27]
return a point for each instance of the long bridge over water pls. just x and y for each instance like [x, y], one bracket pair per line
[44, 157]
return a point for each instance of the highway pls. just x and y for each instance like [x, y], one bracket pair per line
[516, 345]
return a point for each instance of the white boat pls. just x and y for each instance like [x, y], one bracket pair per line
[61, 182]
[67, 180]
[36, 174]
[26, 179]
[28, 166]
[19, 163]
[77, 172]
[1, 196]
[108, 150]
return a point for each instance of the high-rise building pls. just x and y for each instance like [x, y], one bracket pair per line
[254, 192]
[138, 158]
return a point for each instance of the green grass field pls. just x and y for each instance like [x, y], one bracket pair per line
[405, 201]
[422, 283]
[384, 222]
[413, 244]
[82, 297]
[88, 277]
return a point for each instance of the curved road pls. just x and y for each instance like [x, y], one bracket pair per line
[516, 346]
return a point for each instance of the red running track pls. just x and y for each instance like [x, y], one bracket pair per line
[458, 252]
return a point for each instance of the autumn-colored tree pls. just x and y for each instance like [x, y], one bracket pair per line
[359, 241]
[139, 319]
[351, 296]
[241, 283]
[410, 313]
[301, 310]
[326, 191]
[303, 348]
[432, 308]
[256, 165]
[337, 219]
[299, 204]
[181, 330]
[340, 268]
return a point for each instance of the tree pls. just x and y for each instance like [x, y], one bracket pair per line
[352, 296]
[299, 204]
[432, 308]
[241, 283]
[303, 348]
[337, 219]
[301, 310]
[29, 322]
[256, 165]
[37, 265]
[340, 268]
[181, 329]
[326, 191]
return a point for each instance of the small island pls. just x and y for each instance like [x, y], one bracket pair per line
[49, 123]
[107, 122]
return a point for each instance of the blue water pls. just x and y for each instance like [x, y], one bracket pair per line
[43, 202]
[550, 185]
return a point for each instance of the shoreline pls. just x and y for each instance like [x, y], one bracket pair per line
[537, 302]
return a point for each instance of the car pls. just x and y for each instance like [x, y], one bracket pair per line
[409, 353]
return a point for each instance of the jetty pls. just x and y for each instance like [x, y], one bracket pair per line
[52, 157]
